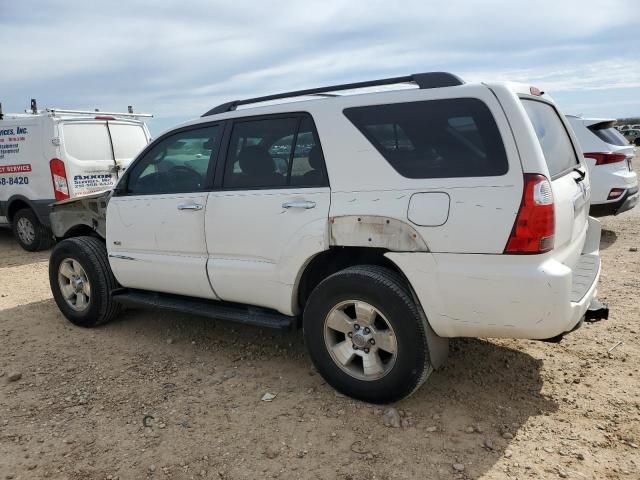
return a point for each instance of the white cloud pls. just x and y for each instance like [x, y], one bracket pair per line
[179, 58]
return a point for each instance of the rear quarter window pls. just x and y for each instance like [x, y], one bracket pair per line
[558, 150]
[435, 138]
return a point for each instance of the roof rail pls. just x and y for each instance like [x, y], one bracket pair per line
[53, 111]
[423, 80]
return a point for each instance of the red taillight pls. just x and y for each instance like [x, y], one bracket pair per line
[535, 226]
[615, 193]
[604, 158]
[59, 179]
[104, 117]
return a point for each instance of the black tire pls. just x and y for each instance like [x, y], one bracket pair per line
[41, 239]
[386, 291]
[91, 254]
[637, 142]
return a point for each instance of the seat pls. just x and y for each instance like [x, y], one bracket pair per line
[258, 169]
[316, 161]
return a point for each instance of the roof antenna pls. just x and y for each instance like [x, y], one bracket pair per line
[130, 109]
[96, 110]
[1, 114]
[34, 106]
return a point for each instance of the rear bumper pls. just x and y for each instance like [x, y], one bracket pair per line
[626, 202]
[508, 296]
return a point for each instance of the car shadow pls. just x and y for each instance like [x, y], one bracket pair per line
[13, 255]
[212, 375]
[607, 238]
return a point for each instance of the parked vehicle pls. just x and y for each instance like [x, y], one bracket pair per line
[632, 135]
[614, 183]
[52, 154]
[404, 218]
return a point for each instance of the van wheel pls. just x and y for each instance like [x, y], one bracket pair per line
[30, 233]
[365, 334]
[82, 281]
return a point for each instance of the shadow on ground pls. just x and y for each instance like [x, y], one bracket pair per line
[204, 379]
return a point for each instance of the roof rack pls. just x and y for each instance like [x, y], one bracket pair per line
[54, 111]
[423, 80]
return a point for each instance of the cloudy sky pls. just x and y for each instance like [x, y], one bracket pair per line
[177, 59]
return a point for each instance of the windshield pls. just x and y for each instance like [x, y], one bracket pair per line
[87, 141]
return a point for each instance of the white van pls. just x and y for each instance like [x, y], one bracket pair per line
[51, 155]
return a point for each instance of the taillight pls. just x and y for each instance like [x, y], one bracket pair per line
[59, 179]
[604, 158]
[535, 226]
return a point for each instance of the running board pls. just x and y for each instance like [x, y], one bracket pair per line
[248, 315]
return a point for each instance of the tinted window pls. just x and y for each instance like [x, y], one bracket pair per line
[176, 164]
[435, 139]
[273, 153]
[552, 135]
[307, 167]
[609, 134]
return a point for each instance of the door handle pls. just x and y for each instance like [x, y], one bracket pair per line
[189, 206]
[306, 204]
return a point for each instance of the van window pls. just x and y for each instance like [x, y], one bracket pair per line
[87, 141]
[128, 140]
[552, 135]
[435, 138]
[90, 141]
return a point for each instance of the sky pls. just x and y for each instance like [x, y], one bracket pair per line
[177, 59]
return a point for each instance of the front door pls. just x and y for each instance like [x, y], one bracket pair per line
[270, 213]
[155, 220]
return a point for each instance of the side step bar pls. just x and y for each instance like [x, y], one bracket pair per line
[248, 315]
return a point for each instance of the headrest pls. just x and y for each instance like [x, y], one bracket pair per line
[255, 160]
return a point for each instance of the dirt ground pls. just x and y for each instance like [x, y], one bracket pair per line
[499, 409]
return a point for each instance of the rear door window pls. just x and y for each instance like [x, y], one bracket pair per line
[552, 135]
[128, 140]
[87, 141]
[435, 138]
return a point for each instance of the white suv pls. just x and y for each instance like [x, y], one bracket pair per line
[614, 184]
[384, 223]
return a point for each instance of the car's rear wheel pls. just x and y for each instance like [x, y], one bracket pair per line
[366, 336]
[82, 282]
[29, 232]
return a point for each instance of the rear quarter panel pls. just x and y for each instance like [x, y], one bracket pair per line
[481, 210]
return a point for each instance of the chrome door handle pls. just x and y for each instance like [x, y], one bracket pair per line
[306, 204]
[189, 206]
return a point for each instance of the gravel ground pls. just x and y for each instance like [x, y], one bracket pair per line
[499, 409]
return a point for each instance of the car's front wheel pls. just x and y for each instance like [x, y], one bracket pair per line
[366, 336]
[82, 282]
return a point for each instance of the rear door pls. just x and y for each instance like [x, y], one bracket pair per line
[270, 213]
[96, 151]
[569, 179]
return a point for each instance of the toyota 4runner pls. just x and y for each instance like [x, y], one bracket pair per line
[382, 222]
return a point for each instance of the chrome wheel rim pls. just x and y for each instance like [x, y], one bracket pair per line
[360, 340]
[74, 284]
[26, 231]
